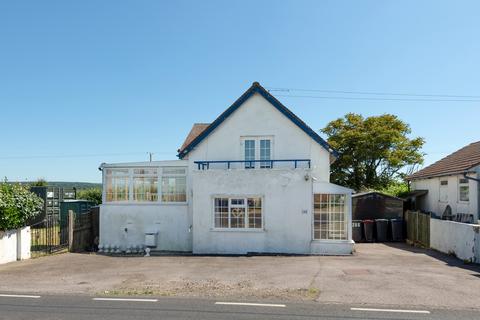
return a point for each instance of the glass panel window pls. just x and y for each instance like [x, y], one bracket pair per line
[249, 153]
[221, 213]
[117, 185]
[238, 213]
[255, 213]
[145, 188]
[265, 153]
[174, 189]
[464, 190]
[329, 217]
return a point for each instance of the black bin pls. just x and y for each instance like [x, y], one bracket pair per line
[382, 229]
[357, 230]
[397, 229]
[368, 230]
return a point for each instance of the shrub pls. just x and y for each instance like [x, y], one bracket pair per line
[92, 194]
[17, 205]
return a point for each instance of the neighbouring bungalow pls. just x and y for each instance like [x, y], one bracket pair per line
[255, 180]
[449, 188]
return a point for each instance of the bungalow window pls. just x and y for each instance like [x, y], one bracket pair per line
[145, 183]
[330, 217]
[463, 189]
[238, 213]
[443, 191]
[174, 185]
[117, 185]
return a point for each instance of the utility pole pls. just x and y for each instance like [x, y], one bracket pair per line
[150, 155]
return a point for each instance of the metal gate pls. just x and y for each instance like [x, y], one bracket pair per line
[50, 235]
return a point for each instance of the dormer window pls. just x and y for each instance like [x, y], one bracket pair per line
[258, 150]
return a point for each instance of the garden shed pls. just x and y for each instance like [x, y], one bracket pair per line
[376, 205]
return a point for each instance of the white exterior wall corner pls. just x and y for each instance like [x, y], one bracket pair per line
[460, 239]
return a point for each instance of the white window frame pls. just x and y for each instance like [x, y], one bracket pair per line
[331, 221]
[130, 175]
[257, 139]
[245, 206]
[443, 188]
[461, 184]
[172, 175]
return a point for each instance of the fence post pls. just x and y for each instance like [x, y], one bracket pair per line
[71, 225]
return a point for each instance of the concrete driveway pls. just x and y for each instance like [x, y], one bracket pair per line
[378, 274]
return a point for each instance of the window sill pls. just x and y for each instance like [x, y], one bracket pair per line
[251, 230]
[331, 241]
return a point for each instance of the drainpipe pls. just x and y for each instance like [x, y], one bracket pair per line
[478, 191]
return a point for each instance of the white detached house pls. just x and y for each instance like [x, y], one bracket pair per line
[255, 180]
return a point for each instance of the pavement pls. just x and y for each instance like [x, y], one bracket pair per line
[82, 307]
[379, 275]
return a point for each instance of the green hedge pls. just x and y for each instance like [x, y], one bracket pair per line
[17, 205]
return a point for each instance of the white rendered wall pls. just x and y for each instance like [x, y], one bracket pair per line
[287, 212]
[431, 201]
[14, 245]
[171, 221]
[460, 239]
[257, 117]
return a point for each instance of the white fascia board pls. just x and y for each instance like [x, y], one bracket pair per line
[165, 163]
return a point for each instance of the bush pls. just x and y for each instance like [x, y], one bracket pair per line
[92, 194]
[17, 205]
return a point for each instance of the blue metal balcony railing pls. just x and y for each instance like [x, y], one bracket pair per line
[253, 164]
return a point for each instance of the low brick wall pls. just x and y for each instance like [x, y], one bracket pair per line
[15, 245]
[459, 239]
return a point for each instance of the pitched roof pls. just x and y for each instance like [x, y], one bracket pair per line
[197, 128]
[255, 88]
[368, 193]
[458, 162]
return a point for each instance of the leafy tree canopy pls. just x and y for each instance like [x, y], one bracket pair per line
[91, 194]
[17, 205]
[373, 151]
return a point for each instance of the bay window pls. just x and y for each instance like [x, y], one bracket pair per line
[238, 213]
[329, 217]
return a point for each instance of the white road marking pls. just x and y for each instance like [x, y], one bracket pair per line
[390, 310]
[125, 299]
[19, 296]
[252, 304]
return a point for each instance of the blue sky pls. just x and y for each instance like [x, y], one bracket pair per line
[85, 82]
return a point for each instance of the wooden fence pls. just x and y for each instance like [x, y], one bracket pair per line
[418, 228]
[83, 230]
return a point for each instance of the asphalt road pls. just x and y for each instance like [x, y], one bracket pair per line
[86, 307]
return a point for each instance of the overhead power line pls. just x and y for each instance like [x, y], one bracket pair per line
[375, 93]
[60, 156]
[375, 99]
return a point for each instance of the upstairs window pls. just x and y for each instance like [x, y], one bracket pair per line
[464, 190]
[257, 149]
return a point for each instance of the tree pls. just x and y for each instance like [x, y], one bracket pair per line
[17, 205]
[91, 194]
[373, 151]
[41, 182]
